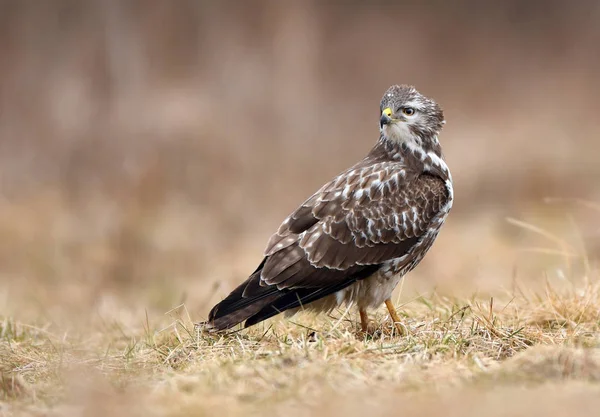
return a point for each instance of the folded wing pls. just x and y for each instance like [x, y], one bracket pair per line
[341, 234]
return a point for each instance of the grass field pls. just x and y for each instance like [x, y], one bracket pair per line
[462, 357]
[523, 346]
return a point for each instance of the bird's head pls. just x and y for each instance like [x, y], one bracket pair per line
[409, 117]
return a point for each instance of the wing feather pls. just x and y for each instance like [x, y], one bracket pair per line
[335, 231]
[366, 216]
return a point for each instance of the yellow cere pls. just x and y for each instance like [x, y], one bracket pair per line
[387, 111]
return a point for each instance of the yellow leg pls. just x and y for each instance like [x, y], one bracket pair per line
[395, 317]
[364, 320]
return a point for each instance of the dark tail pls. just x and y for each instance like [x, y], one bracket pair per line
[252, 302]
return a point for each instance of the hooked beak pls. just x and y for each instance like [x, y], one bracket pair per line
[386, 118]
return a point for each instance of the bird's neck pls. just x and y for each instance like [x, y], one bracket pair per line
[423, 156]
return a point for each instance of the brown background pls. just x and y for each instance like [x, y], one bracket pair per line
[148, 148]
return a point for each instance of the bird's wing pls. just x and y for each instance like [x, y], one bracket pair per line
[365, 216]
[343, 233]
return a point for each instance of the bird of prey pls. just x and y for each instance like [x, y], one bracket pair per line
[353, 240]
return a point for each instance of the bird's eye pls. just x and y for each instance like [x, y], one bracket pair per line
[409, 111]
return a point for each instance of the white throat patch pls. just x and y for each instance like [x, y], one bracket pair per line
[399, 132]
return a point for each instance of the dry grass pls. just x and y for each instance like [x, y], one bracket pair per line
[87, 325]
[467, 354]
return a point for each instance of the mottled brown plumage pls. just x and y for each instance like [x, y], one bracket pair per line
[361, 232]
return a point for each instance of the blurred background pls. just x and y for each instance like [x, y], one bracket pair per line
[148, 149]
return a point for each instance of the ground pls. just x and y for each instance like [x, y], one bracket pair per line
[521, 353]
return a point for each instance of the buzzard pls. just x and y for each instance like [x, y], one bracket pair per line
[353, 240]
